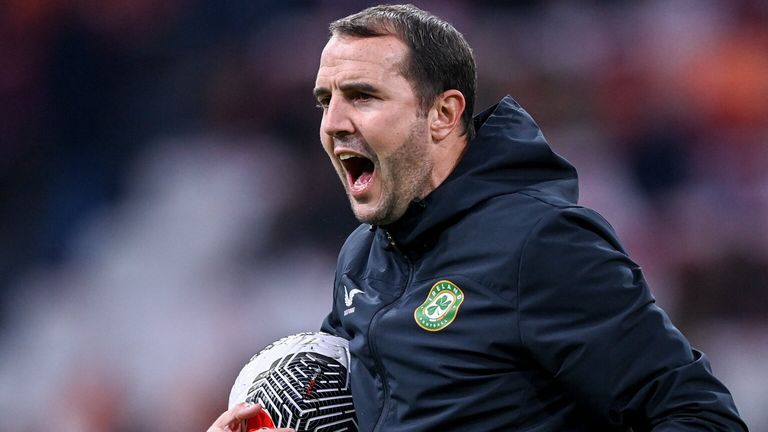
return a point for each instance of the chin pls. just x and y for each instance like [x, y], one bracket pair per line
[378, 216]
[368, 215]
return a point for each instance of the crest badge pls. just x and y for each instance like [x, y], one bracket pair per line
[441, 306]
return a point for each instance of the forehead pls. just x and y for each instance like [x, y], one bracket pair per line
[349, 57]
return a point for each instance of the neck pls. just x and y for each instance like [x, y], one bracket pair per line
[446, 156]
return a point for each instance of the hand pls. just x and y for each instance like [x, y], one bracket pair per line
[231, 420]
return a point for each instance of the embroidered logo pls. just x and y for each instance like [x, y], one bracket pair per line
[348, 297]
[441, 306]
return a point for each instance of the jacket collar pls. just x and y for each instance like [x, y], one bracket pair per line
[509, 153]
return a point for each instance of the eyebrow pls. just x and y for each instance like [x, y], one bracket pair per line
[355, 86]
[320, 91]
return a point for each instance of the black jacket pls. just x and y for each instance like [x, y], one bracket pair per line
[498, 304]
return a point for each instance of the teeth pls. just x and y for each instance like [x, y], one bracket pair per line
[345, 156]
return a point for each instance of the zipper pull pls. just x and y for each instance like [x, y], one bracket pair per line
[392, 243]
[390, 239]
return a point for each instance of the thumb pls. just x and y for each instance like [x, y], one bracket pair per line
[231, 419]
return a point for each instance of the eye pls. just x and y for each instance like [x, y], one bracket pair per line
[362, 97]
[323, 103]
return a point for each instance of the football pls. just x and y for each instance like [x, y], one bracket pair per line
[302, 382]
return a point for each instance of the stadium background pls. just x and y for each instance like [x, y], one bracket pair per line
[166, 209]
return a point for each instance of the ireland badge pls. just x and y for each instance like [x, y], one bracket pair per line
[440, 308]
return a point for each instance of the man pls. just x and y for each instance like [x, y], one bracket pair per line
[477, 295]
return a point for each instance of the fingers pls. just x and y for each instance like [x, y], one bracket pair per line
[244, 411]
[230, 420]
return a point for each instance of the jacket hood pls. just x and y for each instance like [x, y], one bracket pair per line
[508, 154]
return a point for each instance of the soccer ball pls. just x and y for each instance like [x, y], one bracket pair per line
[302, 382]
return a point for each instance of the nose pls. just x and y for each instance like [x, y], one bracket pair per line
[336, 119]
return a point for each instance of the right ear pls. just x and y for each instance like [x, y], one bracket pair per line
[447, 111]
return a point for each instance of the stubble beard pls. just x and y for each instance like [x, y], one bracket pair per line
[404, 176]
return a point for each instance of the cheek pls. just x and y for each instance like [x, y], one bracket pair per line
[385, 134]
[401, 132]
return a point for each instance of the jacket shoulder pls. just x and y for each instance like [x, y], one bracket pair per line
[538, 207]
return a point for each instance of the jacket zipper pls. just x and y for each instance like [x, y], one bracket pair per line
[371, 332]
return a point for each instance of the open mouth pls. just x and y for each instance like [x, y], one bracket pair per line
[359, 170]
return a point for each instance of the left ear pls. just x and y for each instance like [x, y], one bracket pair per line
[446, 114]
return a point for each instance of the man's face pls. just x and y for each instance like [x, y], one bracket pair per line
[373, 127]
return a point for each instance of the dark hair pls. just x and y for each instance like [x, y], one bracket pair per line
[439, 58]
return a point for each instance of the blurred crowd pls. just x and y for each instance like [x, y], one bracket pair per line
[166, 209]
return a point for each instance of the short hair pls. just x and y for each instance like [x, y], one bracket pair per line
[439, 57]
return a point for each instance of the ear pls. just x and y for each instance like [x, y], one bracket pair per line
[446, 114]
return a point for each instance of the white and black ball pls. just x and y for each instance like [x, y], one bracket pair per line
[302, 382]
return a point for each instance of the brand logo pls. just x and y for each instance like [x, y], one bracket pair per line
[348, 297]
[441, 306]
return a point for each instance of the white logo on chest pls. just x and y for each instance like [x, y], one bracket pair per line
[348, 297]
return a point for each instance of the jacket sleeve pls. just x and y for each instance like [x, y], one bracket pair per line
[588, 318]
